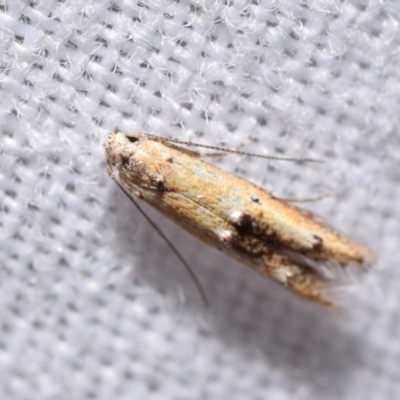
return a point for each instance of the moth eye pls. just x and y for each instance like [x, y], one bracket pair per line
[158, 183]
[132, 139]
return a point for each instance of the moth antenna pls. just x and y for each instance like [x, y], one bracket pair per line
[162, 234]
[225, 150]
[307, 200]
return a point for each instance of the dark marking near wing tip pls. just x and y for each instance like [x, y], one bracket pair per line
[255, 199]
[241, 221]
[317, 241]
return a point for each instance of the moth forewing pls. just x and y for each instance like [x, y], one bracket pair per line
[228, 212]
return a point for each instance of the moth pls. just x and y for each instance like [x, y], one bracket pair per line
[232, 214]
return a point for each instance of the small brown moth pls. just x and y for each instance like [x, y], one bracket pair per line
[225, 211]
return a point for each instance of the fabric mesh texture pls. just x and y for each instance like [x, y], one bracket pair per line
[94, 305]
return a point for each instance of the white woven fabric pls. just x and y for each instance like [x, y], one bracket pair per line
[93, 303]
